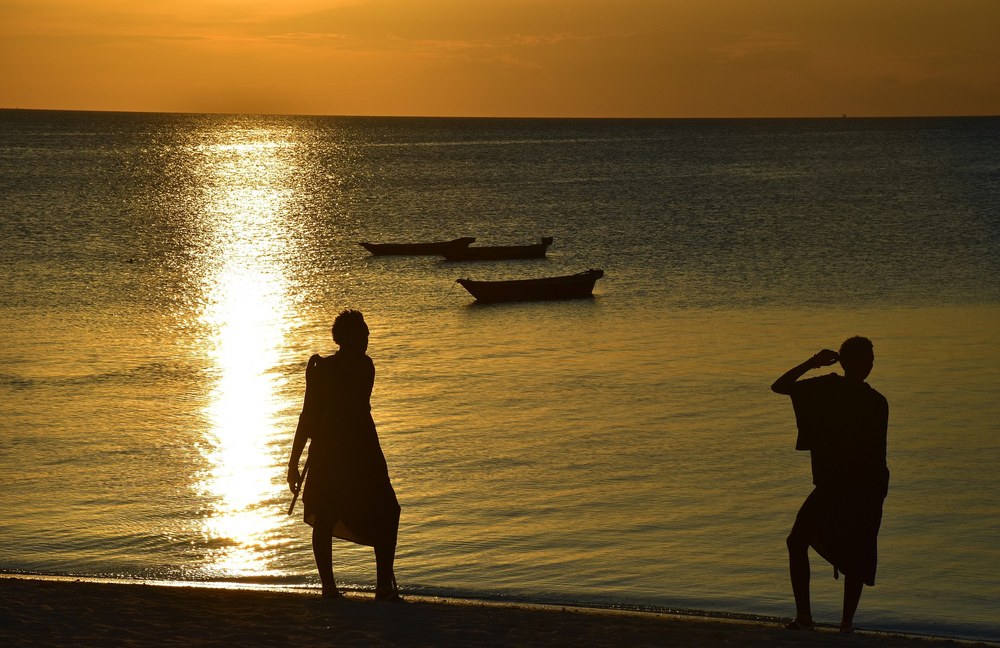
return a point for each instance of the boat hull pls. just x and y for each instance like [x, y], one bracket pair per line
[576, 286]
[434, 248]
[498, 252]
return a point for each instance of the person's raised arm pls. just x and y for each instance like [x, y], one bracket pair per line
[784, 385]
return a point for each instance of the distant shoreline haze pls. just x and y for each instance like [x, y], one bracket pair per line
[956, 115]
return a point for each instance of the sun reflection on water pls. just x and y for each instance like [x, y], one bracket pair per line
[247, 184]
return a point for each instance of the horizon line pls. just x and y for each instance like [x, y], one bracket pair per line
[496, 117]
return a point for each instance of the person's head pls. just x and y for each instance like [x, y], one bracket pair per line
[350, 331]
[857, 355]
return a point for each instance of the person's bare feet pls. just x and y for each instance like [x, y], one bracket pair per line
[801, 624]
[388, 596]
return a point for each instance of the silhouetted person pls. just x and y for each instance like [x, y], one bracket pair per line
[843, 422]
[347, 492]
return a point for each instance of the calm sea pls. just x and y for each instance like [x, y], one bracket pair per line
[163, 279]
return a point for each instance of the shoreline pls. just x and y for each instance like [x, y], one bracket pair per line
[58, 611]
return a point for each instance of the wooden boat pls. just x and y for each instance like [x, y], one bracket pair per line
[434, 248]
[496, 252]
[565, 287]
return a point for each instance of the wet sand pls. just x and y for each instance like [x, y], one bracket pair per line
[37, 612]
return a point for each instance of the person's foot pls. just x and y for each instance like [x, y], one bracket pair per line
[391, 597]
[846, 627]
[388, 594]
[332, 593]
[800, 624]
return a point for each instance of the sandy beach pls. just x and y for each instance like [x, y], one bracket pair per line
[39, 612]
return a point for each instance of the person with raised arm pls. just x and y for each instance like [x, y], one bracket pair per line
[842, 421]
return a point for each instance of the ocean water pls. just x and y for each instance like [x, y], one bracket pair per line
[163, 279]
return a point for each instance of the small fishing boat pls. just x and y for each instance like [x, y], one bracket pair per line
[566, 287]
[435, 248]
[498, 252]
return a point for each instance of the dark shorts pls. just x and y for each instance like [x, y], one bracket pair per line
[842, 526]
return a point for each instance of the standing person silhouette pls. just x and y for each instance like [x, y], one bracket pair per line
[842, 421]
[347, 492]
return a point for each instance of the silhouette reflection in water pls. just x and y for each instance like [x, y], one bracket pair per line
[347, 492]
[842, 421]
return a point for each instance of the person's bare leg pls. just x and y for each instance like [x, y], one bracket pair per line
[798, 570]
[322, 544]
[385, 583]
[852, 595]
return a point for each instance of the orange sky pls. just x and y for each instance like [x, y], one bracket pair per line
[602, 58]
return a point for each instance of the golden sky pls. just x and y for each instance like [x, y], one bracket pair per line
[546, 58]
